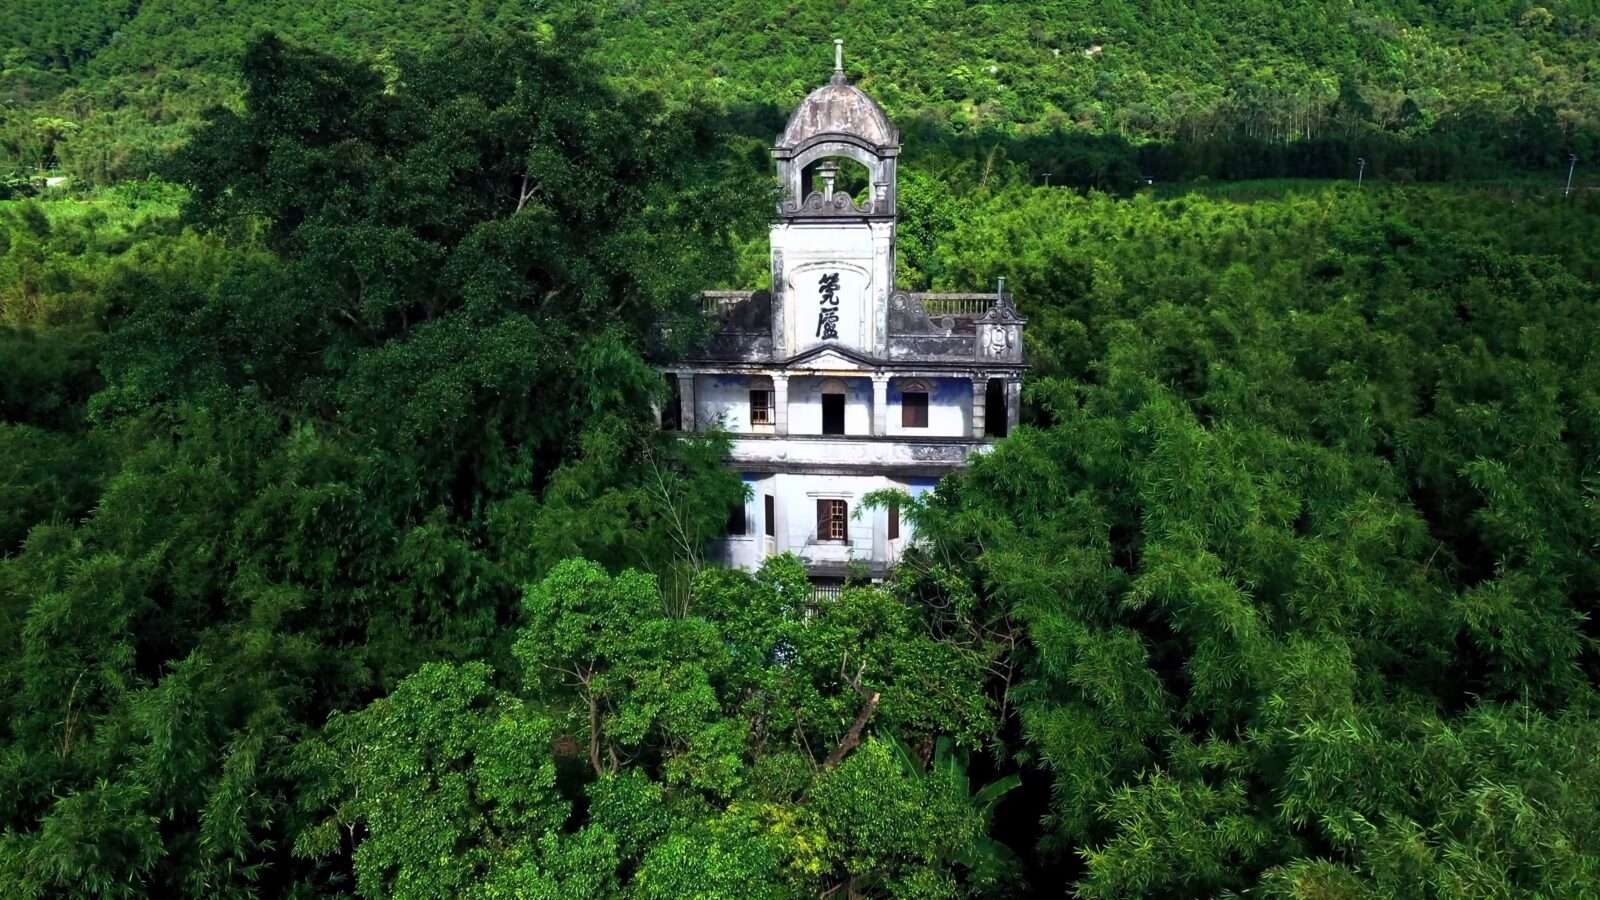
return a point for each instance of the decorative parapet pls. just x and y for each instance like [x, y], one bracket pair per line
[941, 314]
[955, 326]
[934, 327]
[1000, 332]
[816, 204]
[744, 323]
[739, 310]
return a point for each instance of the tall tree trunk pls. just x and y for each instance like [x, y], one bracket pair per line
[853, 736]
[594, 735]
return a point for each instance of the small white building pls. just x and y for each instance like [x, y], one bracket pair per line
[835, 384]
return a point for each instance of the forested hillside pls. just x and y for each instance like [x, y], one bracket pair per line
[1095, 92]
[341, 555]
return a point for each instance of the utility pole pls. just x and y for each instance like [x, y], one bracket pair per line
[1572, 163]
[1361, 169]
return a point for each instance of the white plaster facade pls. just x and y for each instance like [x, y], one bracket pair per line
[794, 527]
[835, 384]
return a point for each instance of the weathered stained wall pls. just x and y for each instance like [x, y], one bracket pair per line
[949, 407]
[725, 398]
[805, 405]
[795, 499]
[860, 253]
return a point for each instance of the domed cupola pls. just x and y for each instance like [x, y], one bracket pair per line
[842, 109]
[836, 121]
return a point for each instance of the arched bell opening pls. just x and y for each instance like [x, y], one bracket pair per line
[863, 173]
[834, 175]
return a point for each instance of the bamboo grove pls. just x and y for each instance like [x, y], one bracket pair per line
[340, 554]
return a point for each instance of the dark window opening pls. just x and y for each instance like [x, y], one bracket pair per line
[914, 409]
[672, 409]
[894, 520]
[994, 408]
[736, 521]
[762, 411]
[833, 517]
[772, 524]
[833, 414]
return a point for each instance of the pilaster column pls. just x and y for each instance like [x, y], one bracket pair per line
[880, 405]
[780, 404]
[686, 401]
[980, 396]
[780, 500]
[882, 286]
[880, 532]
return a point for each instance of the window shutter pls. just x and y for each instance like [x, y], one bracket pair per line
[914, 409]
[772, 526]
[822, 520]
[894, 521]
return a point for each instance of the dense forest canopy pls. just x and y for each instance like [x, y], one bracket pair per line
[340, 554]
[1097, 93]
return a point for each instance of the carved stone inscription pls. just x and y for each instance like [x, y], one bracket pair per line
[828, 307]
[830, 303]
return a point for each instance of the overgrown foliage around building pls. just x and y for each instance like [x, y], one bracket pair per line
[339, 554]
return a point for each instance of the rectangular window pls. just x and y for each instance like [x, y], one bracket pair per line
[894, 520]
[736, 522]
[914, 409]
[833, 518]
[772, 518]
[833, 414]
[762, 411]
[672, 408]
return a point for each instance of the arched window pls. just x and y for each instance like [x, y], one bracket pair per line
[914, 404]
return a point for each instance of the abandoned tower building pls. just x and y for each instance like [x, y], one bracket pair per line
[835, 383]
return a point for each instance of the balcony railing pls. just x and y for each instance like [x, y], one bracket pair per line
[958, 305]
[825, 593]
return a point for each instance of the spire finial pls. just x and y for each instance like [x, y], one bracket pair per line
[838, 56]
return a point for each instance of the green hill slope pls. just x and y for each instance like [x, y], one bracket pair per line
[101, 87]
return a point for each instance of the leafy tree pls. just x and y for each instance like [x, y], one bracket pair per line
[454, 785]
[283, 504]
[1267, 559]
[1285, 588]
